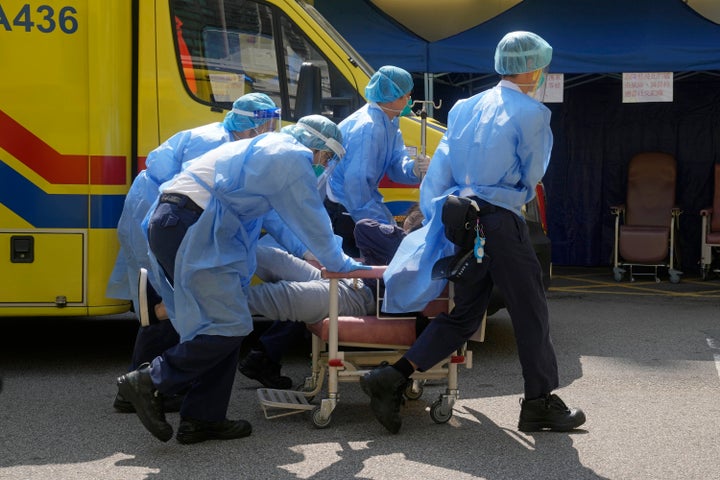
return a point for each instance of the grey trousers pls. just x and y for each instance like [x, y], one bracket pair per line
[293, 290]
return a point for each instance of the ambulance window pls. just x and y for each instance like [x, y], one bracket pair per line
[314, 84]
[227, 49]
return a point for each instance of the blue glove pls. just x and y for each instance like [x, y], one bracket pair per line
[351, 264]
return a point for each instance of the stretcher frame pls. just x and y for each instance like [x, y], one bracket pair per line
[329, 359]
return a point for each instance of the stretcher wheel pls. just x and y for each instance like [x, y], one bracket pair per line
[318, 420]
[411, 394]
[440, 413]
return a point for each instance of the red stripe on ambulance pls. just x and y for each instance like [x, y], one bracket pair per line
[54, 167]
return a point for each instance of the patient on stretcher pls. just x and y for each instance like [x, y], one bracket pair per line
[294, 294]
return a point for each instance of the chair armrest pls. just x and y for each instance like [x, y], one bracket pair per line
[374, 272]
[617, 209]
[706, 212]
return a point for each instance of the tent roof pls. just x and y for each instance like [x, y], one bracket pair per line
[449, 17]
[589, 36]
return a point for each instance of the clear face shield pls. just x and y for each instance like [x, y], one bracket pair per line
[324, 161]
[322, 157]
[538, 90]
[272, 117]
[267, 120]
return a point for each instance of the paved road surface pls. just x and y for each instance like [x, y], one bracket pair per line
[644, 367]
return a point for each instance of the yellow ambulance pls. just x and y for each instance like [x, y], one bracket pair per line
[90, 87]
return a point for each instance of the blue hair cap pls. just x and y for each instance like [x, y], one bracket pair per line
[388, 84]
[520, 52]
[318, 133]
[249, 111]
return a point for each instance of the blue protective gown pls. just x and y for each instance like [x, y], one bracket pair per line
[161, 165]
[216, 258]
[373, 147]
[474, 158]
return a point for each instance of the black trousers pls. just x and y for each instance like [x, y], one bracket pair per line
[511, 264]
[205, 364]
[344, 226]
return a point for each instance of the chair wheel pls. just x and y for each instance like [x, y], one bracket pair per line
[618, 273]
[704, 272]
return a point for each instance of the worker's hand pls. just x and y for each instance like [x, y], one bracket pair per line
[352, 264]
[312, 259]
[422, 162]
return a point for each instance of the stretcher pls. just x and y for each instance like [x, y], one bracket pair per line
[345, 348]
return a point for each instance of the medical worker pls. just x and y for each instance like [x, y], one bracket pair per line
[251, 114]
[248, 117]
[203, 235]
[374, 147]
[278, 299]
[496, 148]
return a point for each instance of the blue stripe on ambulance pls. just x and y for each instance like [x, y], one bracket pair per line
[44, 210]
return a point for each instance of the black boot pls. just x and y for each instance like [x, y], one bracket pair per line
[548, 412]
[171, 403]
[258, 366]
[385, 386]
[138, 389]
[194, 431]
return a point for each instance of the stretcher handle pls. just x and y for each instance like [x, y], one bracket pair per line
[374, 272]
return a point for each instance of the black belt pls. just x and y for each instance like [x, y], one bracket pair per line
[182, 201]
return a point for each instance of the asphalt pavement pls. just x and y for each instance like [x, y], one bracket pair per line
[641, 359]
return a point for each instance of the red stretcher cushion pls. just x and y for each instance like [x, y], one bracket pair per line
[369, 330]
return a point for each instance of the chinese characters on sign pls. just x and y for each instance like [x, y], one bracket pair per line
[554, 89]
[647, 87]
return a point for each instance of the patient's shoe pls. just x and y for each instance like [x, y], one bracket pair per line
[385, 386]
[137, 387]
[195, 431]
[258, 366]
[548, 412]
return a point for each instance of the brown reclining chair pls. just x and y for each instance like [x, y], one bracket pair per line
[710, 235]
[645, 226]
